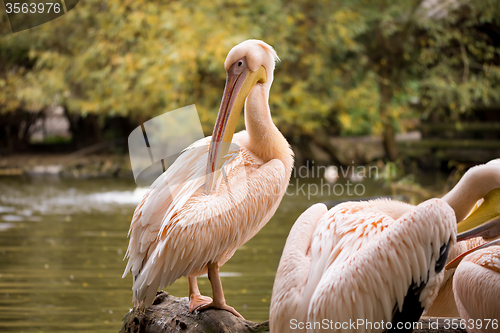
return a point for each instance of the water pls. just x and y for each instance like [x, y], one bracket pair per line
[62, 244]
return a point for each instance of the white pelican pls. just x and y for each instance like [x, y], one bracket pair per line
[189, 224]
[481, 178]
[377, 260]
[476, 282]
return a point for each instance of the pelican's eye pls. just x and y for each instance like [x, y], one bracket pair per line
[238, 66]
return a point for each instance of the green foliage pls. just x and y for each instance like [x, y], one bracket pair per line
[348, 67]
[461, 57]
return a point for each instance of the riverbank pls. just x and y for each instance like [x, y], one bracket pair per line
[92, 162]
[67, 165]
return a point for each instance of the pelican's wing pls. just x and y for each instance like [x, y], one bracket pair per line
[149, 214]
[196, 228]
[336, 234]
[287, 299]
[344, 229]
[373, 282]
[169, 192]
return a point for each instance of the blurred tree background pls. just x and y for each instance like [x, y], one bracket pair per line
[351, 67]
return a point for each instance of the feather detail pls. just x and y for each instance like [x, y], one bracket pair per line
[375, 252]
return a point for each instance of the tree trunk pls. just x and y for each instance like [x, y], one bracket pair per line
[171, 314]
[85, 130]
[15, 130]
[391, 149]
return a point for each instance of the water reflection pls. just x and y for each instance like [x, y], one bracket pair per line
[62, 244]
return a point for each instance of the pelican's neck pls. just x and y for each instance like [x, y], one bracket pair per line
[474, 185]
[265, 140]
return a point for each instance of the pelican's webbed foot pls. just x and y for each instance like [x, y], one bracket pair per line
[220, 306]
[197, 301]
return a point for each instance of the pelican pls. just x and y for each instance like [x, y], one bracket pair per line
[476, 282]
[218, 194]
[379, 260]
[481, 178]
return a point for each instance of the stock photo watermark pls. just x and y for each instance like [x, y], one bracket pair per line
[28, 14]
[328, 177]
[363, 324]
[157, 143]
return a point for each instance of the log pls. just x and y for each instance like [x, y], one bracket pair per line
[170, 314]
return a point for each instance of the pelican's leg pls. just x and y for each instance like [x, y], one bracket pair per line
[219, 301]
[196, 300]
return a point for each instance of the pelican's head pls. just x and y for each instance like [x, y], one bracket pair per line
[247, 64]
[252, 55]
[484, 220]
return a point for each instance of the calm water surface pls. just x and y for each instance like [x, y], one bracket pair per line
[62, 244]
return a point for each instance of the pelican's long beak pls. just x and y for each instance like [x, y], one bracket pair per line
[240, 80]
[484, 221]
[454, 263]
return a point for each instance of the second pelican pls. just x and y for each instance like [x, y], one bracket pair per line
[377, 261]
